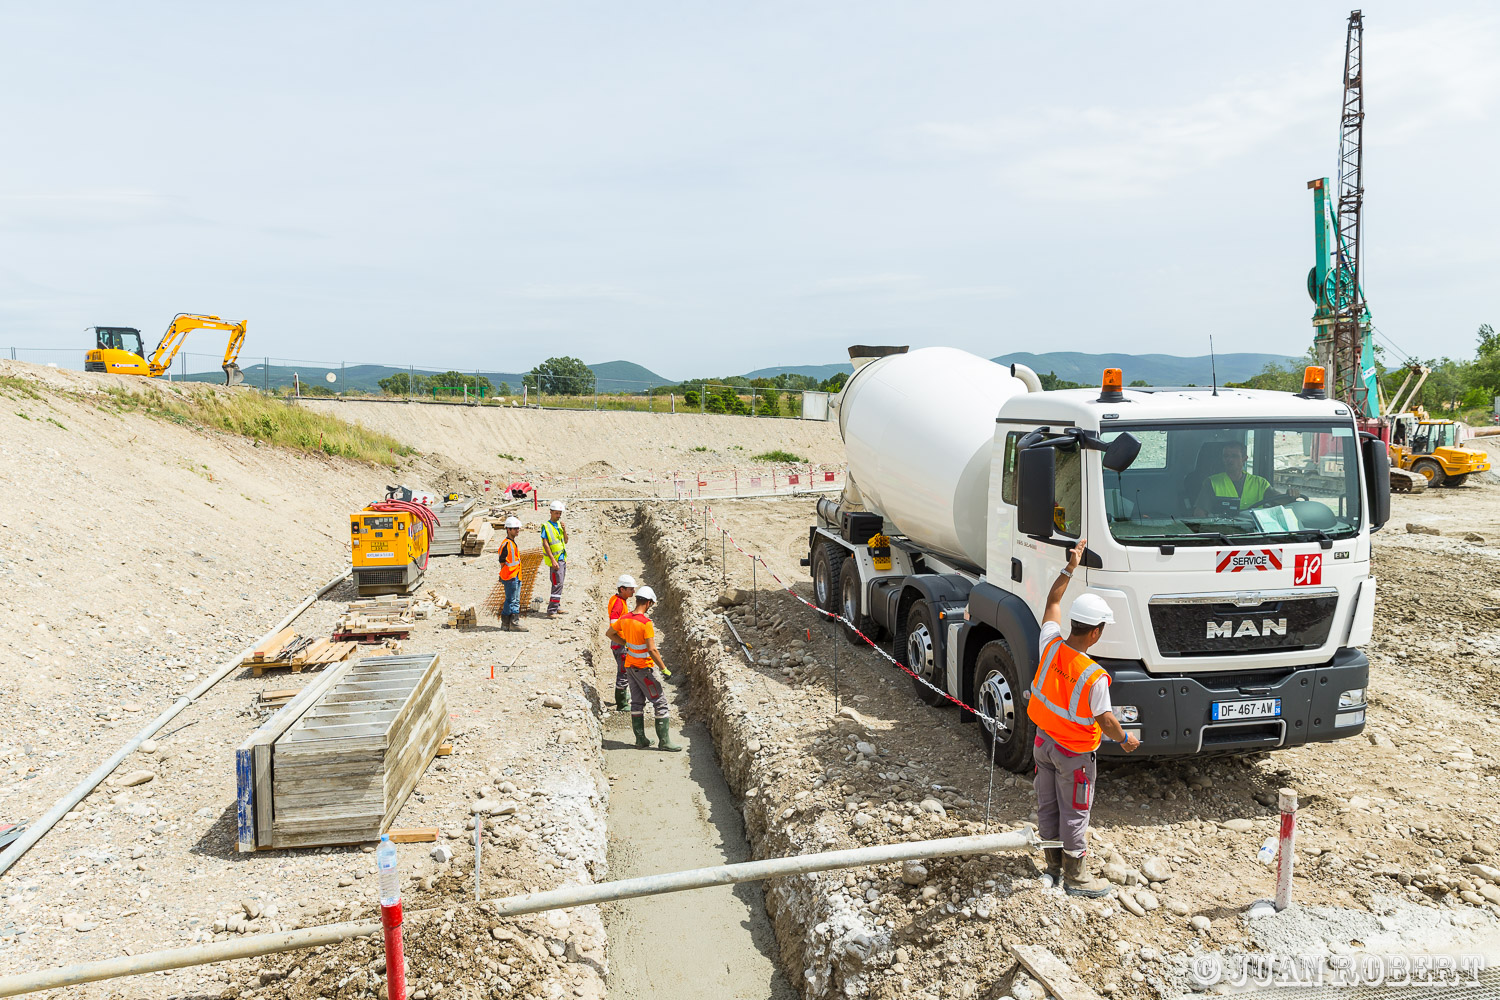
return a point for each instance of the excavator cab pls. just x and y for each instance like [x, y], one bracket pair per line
[117, 350]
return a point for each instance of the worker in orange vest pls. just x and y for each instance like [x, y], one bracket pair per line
[1069, 703]
[624, 589]
[637, 634]
[510, 577]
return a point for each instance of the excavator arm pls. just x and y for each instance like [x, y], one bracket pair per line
[184, 323]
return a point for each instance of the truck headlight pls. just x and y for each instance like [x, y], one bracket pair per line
[1352, 698]
[1130, 713]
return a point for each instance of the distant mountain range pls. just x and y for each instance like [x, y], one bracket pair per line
[613, 376]
[1155, 369]
[627, 376]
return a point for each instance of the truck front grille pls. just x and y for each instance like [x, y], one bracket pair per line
[93, 366]
[1242, 623]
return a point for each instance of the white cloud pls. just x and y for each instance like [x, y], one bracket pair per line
[903, 288]
[1439, 74]
[89, 210]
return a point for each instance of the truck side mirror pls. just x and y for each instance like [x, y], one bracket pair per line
[1121, 452]
[1377, 479]
[1036, 490]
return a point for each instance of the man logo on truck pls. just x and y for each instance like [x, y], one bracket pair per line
[1226, 630]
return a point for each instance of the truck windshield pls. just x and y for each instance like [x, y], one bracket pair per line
[1216, 485]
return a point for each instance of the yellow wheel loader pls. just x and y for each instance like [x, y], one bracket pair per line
[117, 349]
[1432, 449]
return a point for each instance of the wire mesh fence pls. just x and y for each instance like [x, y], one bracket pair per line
[476, 387]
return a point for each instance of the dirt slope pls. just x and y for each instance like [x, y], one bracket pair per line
[576, 442]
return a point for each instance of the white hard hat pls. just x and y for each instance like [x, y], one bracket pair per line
[557, 505]
[645, 593]
[512, 522]
[626, 580]
[1090, 609]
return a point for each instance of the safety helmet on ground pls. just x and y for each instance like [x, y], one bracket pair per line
[626, 580]
[557, 505]
[1090, 609]
[645, 594]
[512, 522]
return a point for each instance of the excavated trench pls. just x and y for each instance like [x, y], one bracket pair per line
[669, 812]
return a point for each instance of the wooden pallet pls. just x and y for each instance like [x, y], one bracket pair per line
[318, 653]
[336, 763]
[369, 635]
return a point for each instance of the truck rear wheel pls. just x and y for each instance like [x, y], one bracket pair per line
[849, 589]
[997, 693]
[921, 653]
[826, 559]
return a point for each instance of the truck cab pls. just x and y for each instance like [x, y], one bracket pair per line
[1232, 545]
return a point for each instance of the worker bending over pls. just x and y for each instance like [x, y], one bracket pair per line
[617, 607]
[555, 554]
[510, 577]
[635, 632]
[1070, 705]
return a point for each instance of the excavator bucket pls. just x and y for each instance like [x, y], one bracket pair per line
[232, 374]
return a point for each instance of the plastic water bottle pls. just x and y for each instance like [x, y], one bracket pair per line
[390, 878]
[1267, 853]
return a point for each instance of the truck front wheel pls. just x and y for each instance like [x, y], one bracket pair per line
[997, 691]
[921, 653]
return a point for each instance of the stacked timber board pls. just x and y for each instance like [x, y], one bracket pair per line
[453, 519]
[337, 762]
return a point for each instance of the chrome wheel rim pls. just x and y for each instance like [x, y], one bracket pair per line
[998, 701]
[919, 653]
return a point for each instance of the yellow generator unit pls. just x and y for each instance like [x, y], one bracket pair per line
[390, 541]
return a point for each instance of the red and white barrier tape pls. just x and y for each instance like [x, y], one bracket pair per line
[988, 720]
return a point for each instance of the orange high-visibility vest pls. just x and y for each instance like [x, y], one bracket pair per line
[510, 559]
[635, 628]
[1060, 697]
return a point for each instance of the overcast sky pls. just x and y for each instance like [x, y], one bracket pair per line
[712, 188]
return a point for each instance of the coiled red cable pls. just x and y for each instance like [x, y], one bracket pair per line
[423, 513]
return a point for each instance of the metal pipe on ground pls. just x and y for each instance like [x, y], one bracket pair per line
[39, 829]
[535, 902]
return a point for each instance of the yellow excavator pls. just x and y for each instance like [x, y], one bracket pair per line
[117, 349]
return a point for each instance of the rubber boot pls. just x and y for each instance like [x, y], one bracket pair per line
[505, 623]
[638, 723]
[1054, 856]
[622, 700]
[664, 735]
[1078, 882]
[516, 626]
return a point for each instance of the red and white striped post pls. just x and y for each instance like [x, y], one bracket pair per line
[1287, 802]
[534, 501]
[395, 956]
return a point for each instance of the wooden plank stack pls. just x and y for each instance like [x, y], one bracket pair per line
[288, 649]
[477, 535]
[337, 762]
[453, 519]
[459, 616]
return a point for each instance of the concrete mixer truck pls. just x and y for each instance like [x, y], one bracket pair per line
[1228, 530]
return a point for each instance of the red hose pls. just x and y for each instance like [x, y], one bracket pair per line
[423, 513]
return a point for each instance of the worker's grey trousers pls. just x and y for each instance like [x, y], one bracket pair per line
[645, 685]
[1064, 793]
[559, 574]
[621, 681]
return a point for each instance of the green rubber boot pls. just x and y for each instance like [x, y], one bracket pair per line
[664, 736]
[638, 723]
[622, 700]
